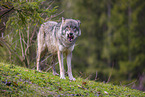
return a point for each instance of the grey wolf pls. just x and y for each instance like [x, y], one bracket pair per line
[59, 38]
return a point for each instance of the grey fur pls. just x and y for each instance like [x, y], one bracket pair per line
[59, 38]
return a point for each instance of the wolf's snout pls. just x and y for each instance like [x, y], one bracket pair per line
[70, 37]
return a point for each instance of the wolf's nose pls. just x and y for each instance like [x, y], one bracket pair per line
[71, 34]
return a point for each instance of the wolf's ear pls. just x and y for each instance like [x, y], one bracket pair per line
[79, 22]
[79, 32]
[63, 19]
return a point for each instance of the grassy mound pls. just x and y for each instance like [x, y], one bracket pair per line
[18, 81]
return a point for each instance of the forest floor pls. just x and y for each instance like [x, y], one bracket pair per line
[19, 81]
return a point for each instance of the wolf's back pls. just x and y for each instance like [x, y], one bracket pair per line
[48, 26]
[49, 35]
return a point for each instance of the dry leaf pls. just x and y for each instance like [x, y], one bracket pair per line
[84, 83]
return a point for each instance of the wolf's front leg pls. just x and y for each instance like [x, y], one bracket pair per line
[69, 55]
[60, 59]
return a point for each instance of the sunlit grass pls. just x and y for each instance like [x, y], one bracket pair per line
[18, 81]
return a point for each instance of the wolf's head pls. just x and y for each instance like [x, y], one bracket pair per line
[70, 29]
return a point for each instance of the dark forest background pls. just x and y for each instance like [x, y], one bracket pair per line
[110, 49]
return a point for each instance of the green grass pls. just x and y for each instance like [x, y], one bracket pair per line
[19, 81]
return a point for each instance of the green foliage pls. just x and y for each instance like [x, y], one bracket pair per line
[25, 11]
[18, 81]
[112, 37]
[22, 27]
[111, 45]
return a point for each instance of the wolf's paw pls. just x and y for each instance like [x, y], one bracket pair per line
[62, 77]
[72, 78]
[54, 73]
[39, 70]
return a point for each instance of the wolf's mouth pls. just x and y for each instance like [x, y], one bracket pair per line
[70, 37]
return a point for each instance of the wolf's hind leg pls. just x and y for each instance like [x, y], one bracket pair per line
[38, 57]
[53, 65]
[40, 45]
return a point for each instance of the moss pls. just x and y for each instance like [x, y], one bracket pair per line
[19, 81]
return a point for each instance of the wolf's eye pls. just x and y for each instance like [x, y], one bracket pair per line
[66, 29]
[75, 29]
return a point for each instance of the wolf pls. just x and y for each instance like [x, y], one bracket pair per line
[59, 38]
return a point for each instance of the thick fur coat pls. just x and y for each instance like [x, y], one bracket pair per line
[59, 38]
